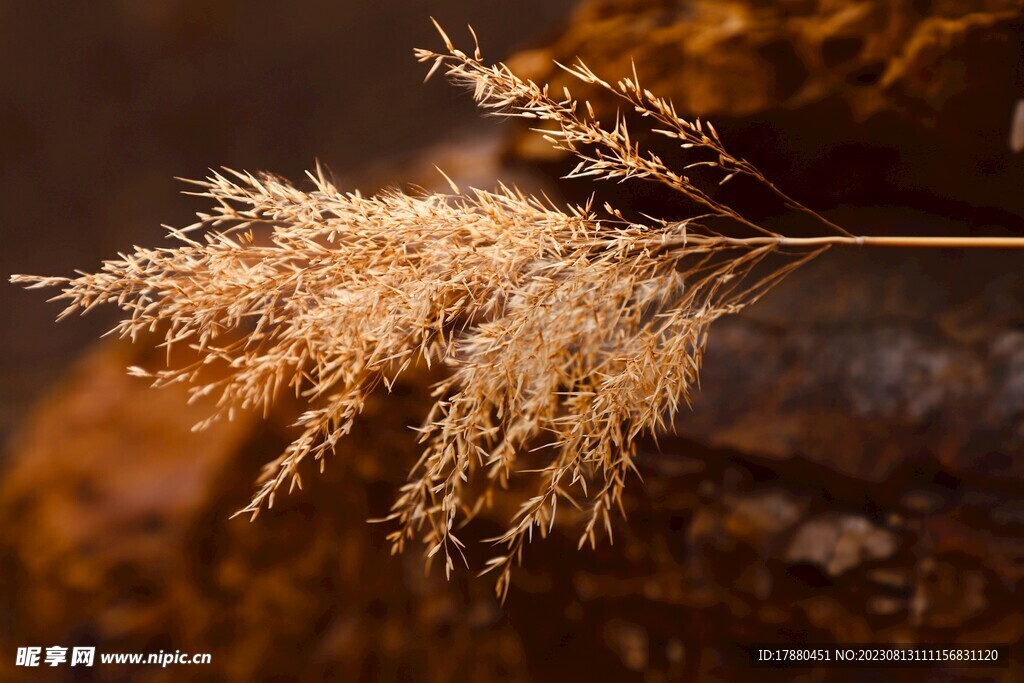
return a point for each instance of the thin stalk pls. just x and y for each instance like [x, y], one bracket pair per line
[933, 242]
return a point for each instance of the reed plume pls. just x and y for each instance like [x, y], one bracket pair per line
[567, 332]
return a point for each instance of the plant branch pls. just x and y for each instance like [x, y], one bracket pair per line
[905, 241]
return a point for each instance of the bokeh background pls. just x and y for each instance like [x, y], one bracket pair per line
[850, 471]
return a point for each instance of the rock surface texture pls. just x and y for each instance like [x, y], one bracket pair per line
[852, 101]
[850, 472]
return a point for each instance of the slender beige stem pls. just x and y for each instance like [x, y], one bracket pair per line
[944, 242]
[933, 242]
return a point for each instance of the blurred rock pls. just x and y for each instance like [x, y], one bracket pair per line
[119, 536]
[873, 101]
[840, 543]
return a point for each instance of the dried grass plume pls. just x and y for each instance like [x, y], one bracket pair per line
[567, 332]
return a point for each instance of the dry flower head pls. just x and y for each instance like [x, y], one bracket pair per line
[567, 332]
